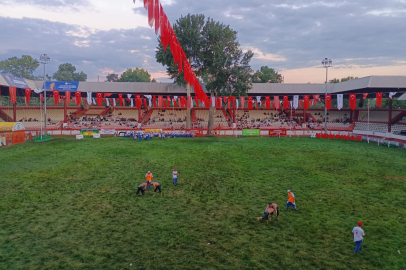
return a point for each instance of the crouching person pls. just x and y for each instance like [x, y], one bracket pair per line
[141, 189]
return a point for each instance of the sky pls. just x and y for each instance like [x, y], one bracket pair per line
[362, 37]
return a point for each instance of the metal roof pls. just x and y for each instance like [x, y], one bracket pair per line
[361, 85]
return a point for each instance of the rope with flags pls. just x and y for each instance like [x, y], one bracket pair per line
[157, 16]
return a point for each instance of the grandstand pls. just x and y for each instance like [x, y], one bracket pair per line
[152, 116]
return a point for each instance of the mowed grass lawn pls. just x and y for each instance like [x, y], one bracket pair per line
[69, 204]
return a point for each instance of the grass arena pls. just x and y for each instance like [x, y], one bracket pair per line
[68, 204]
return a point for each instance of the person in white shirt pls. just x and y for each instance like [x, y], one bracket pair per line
[175, 176]
[358, 234]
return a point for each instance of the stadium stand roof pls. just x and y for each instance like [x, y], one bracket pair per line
[369, 84]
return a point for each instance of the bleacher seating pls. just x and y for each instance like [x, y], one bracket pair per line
[202, 119]
[170, 118]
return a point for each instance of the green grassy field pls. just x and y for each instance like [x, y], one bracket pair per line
[70, 204]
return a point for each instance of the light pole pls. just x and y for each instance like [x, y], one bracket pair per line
[44, 60]
[326, 63]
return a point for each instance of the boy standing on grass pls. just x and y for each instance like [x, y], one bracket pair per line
[175, 177]
[141, 189]
[358, 234]
[291, 200]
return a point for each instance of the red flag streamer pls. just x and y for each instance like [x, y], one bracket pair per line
[353, 101]
[365, 95]
[300, 103]
[190, 101]
[268, 102]
[42, 97]
[145, 103]
[99, 99]
[159, 101]
[250, 103]
[150, 12]
[328, 102]
[120, 98]
[242, 102]
[316, 99]
[157, 17]
[379, 99]
[13, 94]
[67, 97]
[174, 103]
[145, 4]
[168, 100]
[138, 101]
[27, 95]
[56, 96]
[78, 97]
[154, 100]
[276, 102]
[306, 102]
[285, 102]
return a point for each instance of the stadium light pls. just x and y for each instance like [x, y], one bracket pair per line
[326, 63]
[44, 60]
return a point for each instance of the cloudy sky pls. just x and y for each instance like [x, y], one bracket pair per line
[362, 37]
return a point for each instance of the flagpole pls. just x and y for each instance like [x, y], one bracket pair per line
[44, 60]
[326, 63]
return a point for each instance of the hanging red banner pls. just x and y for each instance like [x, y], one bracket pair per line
[242, 102]
[316, 99]
[99, 99]
[300, 103]
[27, 95]
[138, 101]
[67, 97]
[78, 97]
[250, 103]
[154, 101]
[328, 102]
[285, 102]
[276, 102]
[120, 98]
[13, 94]
[306, 102]
[268, 102]
[379, 99]
[56, 96]
[353, 101]
[365, 95]
[145, 103]
[159, 101]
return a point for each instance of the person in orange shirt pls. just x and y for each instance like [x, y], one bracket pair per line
[148, 178]
[291, 200]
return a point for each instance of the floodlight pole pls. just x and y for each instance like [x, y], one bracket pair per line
[44, 60]
[326, 63]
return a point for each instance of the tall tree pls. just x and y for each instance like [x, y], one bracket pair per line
[20, 67]
[66, 72]
[214, 54]
[266, 75]
[135, 75]
[112, 77]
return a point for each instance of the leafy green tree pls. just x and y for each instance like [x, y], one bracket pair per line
[20, 67]
[135, 75]
[335, 80]
[66, 72]
[214, 54]
[112, 77]
[266, 75]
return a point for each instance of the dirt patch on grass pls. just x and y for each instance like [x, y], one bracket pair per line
[178, 192]
[103, 190]
[400, 178]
